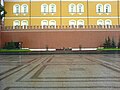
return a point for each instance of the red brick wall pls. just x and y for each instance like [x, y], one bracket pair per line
[59, 39]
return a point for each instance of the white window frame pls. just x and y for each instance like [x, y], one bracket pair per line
[51, 9]
[80, 23]
[43, 10]
[14, 9]
[43, 25]
[14, 23]
[23, 23]
[100, 23]
[70, 8]
[70, 23]
[22, 9]
[109, 9]
[101, 8]
[108, 25]
[78, 8]
[51, 23]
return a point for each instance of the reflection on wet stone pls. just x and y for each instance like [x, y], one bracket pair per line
[60, 72]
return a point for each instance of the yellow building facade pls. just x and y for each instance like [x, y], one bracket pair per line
[62, 12]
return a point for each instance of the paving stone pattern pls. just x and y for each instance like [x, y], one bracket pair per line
[60, 72]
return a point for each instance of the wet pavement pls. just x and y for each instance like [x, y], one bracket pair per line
[60, 72]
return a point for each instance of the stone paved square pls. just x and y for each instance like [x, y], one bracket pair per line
[60, 72]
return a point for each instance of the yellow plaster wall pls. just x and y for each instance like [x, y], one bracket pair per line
[93, 21]
[65, 21]
[65, 9]
[35, 17]
[9, 22]
[37, 21]
[92, 9]
[36, 9]
[9, 9]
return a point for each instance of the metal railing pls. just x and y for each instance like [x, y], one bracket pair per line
[64, 27]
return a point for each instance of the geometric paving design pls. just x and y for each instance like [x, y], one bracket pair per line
[60, 72]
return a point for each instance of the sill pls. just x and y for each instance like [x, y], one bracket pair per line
[52, 13]
[100, 13]
[107, 13]
[72, 13]
[16, 14]
[44, 13]
[80, 13]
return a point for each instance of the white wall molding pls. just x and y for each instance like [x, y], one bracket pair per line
[57, 17]
[42, 49]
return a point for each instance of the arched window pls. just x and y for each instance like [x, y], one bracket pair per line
[24, 8]
[80, 23]
[99, 8]
[52, 8]
[44, 8]
[16, 23]
[108, 23]
[24, 23]
[107, 8]
[80, 8]
[44, 23]
[100, 23]
[16, 9]
[72, 23]
[52, 23]
[72, 8]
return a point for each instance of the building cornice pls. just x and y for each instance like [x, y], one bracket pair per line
[57, 0]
